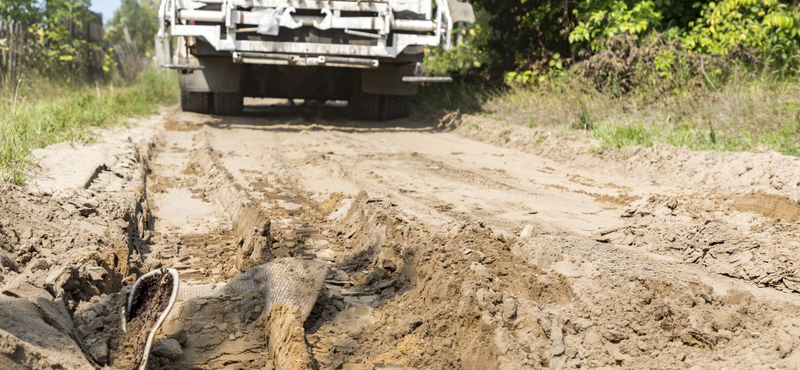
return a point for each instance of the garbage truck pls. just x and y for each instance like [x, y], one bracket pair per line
[366, 52]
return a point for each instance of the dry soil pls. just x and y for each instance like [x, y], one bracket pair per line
[434, 242]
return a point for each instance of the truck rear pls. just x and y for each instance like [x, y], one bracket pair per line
[369, 53]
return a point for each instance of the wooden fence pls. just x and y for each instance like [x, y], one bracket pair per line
[18, 52]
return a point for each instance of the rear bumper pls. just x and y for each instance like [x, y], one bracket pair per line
[366, 30]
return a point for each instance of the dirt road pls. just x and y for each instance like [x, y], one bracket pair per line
[445, 242]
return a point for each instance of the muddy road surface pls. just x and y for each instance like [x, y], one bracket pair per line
[306, 240]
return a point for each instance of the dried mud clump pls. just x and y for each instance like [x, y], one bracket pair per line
[699, 231]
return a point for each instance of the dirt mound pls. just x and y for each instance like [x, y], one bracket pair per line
[60, 258]
[462, 296]
[66, 251]
[680, 168]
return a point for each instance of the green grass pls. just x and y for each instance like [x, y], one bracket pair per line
[751, 112]
[461, 96]
[756, 114]
[34, 114]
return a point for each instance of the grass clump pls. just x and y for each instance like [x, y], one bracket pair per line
[34, 114]
[755, 114]
[461, 95]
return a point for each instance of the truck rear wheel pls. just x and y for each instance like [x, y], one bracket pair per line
[198, 102]
[228, 104]
[363, 105]
[395, 106]
[378, 107]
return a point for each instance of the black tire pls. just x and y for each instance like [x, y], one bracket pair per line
[363, 105]
[198, 102]
[228, 104]
[395, 106]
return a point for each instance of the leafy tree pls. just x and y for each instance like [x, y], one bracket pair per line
[604, 24]
[764, 25]
[523, 31]
[141, 18]
[26, 12]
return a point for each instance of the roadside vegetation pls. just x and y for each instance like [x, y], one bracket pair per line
[36, 116]
[706, 75]
[63, 74]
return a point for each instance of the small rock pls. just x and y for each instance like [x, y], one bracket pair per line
[504, 341]
[98, 349]
[527, 232]
[591, 339]
[556, 340]
[614, 352]
[486, 321]
[480, 270]
[582, 324]
[180, 336]
[84, 331]
[509, 307]
[411, 322]
[785, 345]
[95, 273]
[342, 276]
[90, 316]
[614, 336]
[326, 255]
[638, 207]
[362, 366]
[480, 295]
[7, 263]
[168, 348]
[96, 324]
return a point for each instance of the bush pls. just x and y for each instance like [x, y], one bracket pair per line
[766, 26]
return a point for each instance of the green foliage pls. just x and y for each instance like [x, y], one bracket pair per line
[468, 55]
[141, 18]
[54, 50]
[109, 64]
[767, 26]
[554, 69]
[25, 12]
[604, 24]
[522, 31]
[522, 35]
[664, 63]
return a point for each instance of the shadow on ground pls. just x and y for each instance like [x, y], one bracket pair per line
[285, 117]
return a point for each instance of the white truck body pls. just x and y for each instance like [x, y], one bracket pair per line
[220, 42]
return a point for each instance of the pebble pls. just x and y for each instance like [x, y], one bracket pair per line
[168, 348]
[527, 232]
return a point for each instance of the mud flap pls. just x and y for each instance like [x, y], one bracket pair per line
[218, 75]
[163, 51]
[388, 80]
